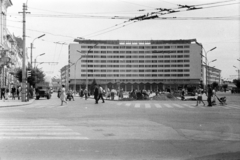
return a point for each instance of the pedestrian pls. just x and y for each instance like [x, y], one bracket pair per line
[85, 92]
[13, 91]
[18, 92]
[183, 95]
[6, 94]
[214, 96]
[209, 96]
[100, 92]
[199, 96]
[3, 93]
[59, 92]
[63, 95]
[71, 94]
[96, 94]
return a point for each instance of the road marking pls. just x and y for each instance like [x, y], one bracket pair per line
[137, 105]
[177, 105]
[128, 104]
[168, 106]
[188, 105]
[36, 129]
[158, 106]
[147, 106]
[119, 104]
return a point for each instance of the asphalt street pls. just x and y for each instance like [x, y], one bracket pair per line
[119, 130]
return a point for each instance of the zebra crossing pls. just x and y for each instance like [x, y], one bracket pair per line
[36, 129]
[175, 105]
[39, 106]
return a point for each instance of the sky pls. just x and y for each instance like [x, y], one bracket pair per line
[64, 20]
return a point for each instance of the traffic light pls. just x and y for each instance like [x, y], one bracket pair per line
[28, 73]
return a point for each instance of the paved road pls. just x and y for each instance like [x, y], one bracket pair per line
[119, 130]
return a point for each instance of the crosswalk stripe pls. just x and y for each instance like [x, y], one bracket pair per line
[177, 105]
[168, 105]
[137, 105]
[158, 106]
[189, 106]
[230, 106]
[128, 104]
[147, 106]
[36, 129]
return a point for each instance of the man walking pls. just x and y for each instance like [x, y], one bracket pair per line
[100, 94]
[13, 91]
[209, 95]
[96, 94]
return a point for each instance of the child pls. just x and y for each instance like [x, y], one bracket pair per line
[199, 96]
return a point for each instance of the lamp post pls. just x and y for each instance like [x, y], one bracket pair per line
[87, 63]
[206, 60]
[207, 69]
[238, 70]
[36, 59]
[32, 46]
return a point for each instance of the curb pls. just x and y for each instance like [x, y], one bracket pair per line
[19, 103]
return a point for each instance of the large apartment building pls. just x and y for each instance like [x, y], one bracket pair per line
[135, 64]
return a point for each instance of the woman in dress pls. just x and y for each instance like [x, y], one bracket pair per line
[63, 95]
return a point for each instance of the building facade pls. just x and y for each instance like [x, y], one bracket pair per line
[65, 76]
[212, 74]
[136, 64]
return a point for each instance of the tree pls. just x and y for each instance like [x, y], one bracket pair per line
[237, 82]
[36, 76]
[225, 86]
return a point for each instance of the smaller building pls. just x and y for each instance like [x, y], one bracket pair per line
[211, 74]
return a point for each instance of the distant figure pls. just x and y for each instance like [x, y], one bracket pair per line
[85, 92]
[209, 95]
[100, 92]
[3, 93]
[13, 91]
[63, 95]
[6, 94]
[96, 94]
[183, 94]
[199, 96]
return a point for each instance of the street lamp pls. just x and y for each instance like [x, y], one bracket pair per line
[206, 61]
[86, 63]
[32, 46]
[238, 70]
[36, 58]
[207, 69]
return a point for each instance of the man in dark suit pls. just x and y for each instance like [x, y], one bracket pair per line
[209, 95]
[96, 94]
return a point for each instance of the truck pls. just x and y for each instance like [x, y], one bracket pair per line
[43, 90]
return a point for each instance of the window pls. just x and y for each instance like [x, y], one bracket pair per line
[186, 51]
[141, 70]
[103, 47]
[179, 51]
[122, 47]
[154, 47]
[186, 56]
[186, 60]
[179, 46]
[160, 46]
[186, 46]
[166, 47]
[115, 47]
[103, 56]
[109, 46]
[103, 51]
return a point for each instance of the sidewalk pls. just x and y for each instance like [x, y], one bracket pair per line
[14, 103]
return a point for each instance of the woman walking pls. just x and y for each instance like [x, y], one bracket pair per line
[199, 96]
[63, 95]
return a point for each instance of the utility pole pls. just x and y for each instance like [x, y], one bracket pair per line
[24, 79]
